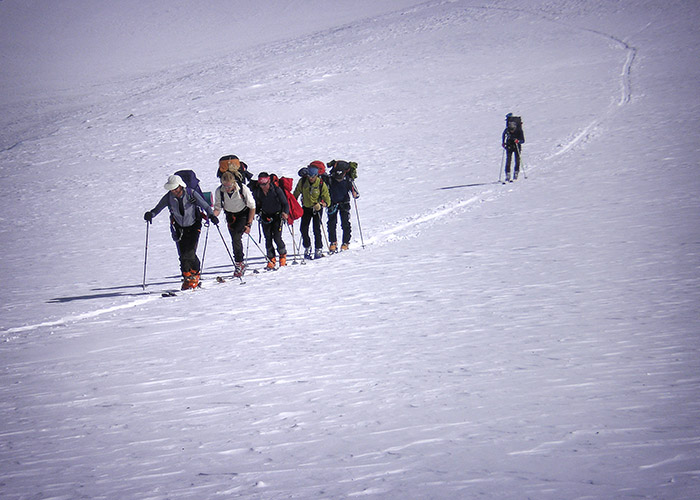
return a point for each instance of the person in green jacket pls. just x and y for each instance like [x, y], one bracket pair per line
[314, 196]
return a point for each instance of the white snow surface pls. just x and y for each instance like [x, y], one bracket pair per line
[536, 340]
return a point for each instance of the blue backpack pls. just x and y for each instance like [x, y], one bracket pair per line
[190, 178]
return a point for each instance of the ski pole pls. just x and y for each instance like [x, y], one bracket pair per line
[259, 248]
[323, 229]
[520, 159]
[294, 242]
[145, 256]
[247, 247]
[359, 226]
[226, 247]
[503, 159]
[204, 252]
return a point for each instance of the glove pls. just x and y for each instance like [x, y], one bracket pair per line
[517, 141]
[148, 216]
[317, 207]
[214, 219]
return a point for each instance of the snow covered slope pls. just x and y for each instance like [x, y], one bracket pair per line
[534, 340]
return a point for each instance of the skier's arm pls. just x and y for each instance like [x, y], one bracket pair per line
[161, 204]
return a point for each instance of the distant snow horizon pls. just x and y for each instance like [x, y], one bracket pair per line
[72, 43]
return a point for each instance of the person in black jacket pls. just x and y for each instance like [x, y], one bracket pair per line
[512, 141]
[340, 187]
[273, 209]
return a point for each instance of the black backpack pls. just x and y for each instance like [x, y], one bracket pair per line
[510, 118]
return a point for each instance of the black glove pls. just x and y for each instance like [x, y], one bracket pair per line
[148, 216]
[214, 219]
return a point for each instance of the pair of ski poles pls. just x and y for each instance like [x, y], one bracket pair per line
[521, 163]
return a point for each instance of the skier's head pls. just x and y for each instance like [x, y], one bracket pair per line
[174, 182]
[312, 171]
[263, 179]
[512, 126]
[228, 181]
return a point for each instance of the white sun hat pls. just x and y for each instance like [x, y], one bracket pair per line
[173, 182]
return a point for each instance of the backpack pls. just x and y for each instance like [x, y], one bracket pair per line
[510, 118]
[295, 209]
[349, 167]
[190, 178]
[231, 163]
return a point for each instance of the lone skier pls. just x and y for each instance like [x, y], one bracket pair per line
[512, 141]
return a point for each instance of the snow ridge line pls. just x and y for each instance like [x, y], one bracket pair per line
[78, 317]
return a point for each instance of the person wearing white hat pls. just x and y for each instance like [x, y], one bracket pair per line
[186, 206]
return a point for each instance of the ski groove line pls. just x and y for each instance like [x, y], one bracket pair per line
[425, 218]
[78, 317]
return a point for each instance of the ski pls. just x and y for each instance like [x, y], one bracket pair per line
[222, 279]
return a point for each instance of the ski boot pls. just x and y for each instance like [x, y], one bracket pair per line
[190, 280]
[270, 264]
[308, 253]
[240, 269]
[515, 175]
[283, 260]
[344, 246]
[333, 247]
[318, 254]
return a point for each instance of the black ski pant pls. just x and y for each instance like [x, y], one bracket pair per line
[188, 238]
[344, 210]
[306, 219]
[509, 154]
[236, 227]
[272, 231]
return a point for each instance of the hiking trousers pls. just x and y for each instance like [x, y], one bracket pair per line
[236, 223]
[273, 236]
[306, 219]
[509, 155]
[187, 247]
[344, 210]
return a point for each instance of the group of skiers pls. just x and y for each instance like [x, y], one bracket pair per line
[241, 197]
